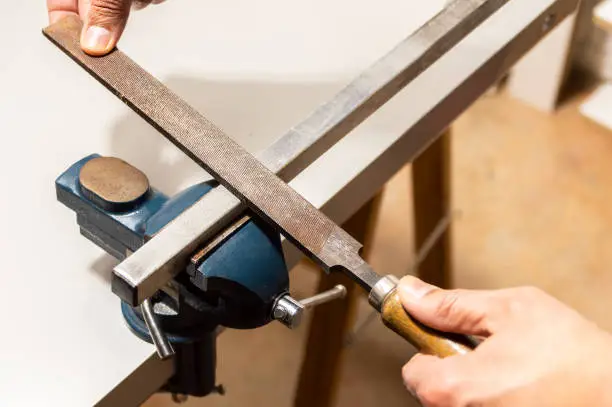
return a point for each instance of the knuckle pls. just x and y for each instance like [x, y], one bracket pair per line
[446, 392]
[531, 293]
[140, 4]
[451, 310]
[411, 371]
[516, 301]
[513, 304]
[109, 9]
[523, 298]
[446, 308]
[431, 397]
[406, 374]
[507, 305]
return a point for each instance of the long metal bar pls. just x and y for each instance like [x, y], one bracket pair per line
[167, 252]
[303, 144]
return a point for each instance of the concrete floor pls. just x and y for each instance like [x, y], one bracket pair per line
[534, 193]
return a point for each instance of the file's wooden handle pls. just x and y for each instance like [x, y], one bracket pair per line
[426, 340]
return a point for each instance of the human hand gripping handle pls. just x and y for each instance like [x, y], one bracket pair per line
[385, 298]
[536, 351]
[427, 340]
[104, 20]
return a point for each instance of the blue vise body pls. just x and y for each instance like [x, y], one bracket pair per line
[238, 282]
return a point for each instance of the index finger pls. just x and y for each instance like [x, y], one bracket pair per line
[61, 8]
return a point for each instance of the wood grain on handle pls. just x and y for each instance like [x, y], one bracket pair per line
[426, 340]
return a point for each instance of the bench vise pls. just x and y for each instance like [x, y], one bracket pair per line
[241, 281]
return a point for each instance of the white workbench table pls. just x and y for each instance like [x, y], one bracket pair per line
[254, 68]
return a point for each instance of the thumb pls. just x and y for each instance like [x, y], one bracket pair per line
[104, 24]
[458, 311]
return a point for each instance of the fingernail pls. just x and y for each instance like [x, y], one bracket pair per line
[413, 288]
[96, 39]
